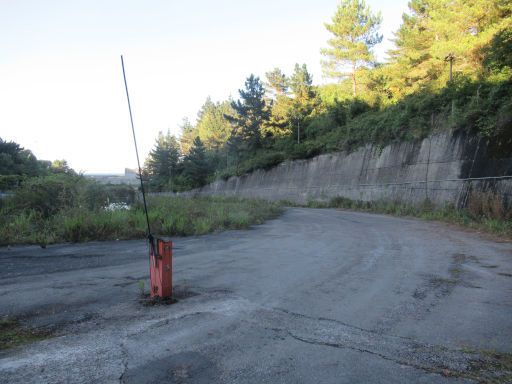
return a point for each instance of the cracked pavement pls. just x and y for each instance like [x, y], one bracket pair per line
[324, 296]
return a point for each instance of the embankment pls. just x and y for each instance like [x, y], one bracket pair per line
[444, 168]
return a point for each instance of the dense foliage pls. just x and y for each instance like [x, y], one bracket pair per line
[18, 164]
[407, 98]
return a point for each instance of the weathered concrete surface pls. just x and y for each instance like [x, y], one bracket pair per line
[315, 296]
[436, 168]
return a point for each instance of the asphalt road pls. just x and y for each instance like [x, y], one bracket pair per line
[315, 296]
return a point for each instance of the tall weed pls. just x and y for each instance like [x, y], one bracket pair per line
[169, 216]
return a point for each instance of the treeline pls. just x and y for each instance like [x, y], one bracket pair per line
[39, 190]
[18, 164]
[450, 69]
[50, 186]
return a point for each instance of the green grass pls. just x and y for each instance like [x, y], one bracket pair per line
[12, 334]
[169, 216]
[184, 216]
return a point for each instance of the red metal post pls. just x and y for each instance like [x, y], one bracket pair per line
[161, 269]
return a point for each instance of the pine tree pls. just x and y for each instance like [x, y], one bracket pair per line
[161, 164]
[251, 113]
[277, 83]
[188, 132]
[279, 102]
[301, 84]
[278, 124]
[303, 103]
[355, 30]
[212, 126]
[195, 168]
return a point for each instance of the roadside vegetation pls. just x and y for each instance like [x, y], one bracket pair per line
[47, 202]
[12, 334]
[484, 212]
[71, 209]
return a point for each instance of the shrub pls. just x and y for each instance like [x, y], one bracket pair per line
[357, 107]
[46, 195]
[487, 204]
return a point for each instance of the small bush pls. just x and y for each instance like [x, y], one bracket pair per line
[46, 195]
[486, 204]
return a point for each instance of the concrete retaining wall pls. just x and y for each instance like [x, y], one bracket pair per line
[442, 168]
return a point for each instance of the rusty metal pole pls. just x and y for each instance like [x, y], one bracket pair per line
[160, 251]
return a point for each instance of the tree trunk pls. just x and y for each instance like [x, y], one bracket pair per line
[354, 82]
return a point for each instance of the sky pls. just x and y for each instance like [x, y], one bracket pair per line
[61, 86]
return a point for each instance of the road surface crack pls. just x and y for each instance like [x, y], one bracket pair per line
[124, 362]
[344, 346]
[475, 365]
[301, 315]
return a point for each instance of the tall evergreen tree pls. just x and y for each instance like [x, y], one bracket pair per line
[277, 87]
[212, 126]
[195, 167]
[278, 124]
[251, 113]
[355, 29]
[188, 132]
[301, 83]
[276, 84]
[161, 164]
[303, 103]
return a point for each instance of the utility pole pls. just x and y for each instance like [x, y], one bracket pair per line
[298, 131]
[450, 58]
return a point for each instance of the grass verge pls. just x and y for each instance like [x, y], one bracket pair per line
[479, 216]
[169, 216]
[12, 334]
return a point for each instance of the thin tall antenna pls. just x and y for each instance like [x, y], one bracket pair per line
[150, 237]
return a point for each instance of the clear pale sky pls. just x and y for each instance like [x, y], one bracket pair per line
[61, 87]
